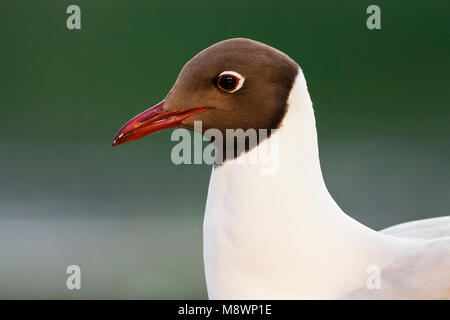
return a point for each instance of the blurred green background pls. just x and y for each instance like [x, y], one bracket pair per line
[130, 218]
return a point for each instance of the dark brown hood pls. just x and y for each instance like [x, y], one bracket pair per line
[259, 104]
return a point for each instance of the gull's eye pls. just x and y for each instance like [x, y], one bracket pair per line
[227, 82]
[230, 81]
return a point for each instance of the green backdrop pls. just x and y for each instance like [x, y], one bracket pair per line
[130, 218]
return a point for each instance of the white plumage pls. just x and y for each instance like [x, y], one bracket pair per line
[282, 236]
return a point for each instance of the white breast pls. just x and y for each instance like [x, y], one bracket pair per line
[282, 236]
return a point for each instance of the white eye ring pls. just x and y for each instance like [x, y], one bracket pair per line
[240, 78]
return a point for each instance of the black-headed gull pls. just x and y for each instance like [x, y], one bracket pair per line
[281, 235]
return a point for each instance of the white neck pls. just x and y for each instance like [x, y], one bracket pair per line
[282, 235]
